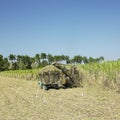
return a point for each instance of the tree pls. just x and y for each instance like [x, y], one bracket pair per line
[57, 58]
[67, 58]
[77, 59]
[24, 62]
[50, 58]
[1, 62]
[5, 64]
[27, 62]
[91, 60]
[85, 60]
[13, 64]
[96, 60]
[19, 58]
[43, 56]
[20, 63]
[62, 57]
[37, 60]
[12, 58]
[43, 63]
[101, 59]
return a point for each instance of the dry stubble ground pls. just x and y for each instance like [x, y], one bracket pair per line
[24, 100]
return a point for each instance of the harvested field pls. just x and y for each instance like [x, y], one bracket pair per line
[24, 100]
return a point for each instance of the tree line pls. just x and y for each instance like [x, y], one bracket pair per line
[22, 62]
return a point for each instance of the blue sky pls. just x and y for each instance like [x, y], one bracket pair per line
[69, 27]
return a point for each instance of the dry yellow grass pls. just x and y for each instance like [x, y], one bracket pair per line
[24, 100]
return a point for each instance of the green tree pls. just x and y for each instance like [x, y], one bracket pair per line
[1, 62]
[62, 57]
[43, 63]
[20, 62]
[5, 64]
[50, 58]
[37, 60]
[27, 62]
[19, 58]
[101, 59]
[57, 58]
[24, 62]
[67, 58]
[91, 60]
[12, 58]
[77, 59]
[13, 64]
[85, 60]
[43, 56]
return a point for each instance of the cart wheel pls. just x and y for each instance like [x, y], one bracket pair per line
[56, 86]
[45, 87]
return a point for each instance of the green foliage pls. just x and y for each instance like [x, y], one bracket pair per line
[106, 73]
[50, 58]
[43, 63]
[1, 62]
[23, 62]
[12, 57]
[77, 59]
[43, 56]
[31, 74]
[4, 64]
[105, 67]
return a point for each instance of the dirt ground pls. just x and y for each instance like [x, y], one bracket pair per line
[24, 100]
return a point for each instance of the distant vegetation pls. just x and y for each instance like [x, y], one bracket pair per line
[23, 62]
[95, 71]
[106, 74]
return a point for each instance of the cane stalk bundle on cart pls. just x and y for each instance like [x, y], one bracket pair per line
[57, 75]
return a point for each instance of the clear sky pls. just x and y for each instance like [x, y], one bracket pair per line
[69, 27]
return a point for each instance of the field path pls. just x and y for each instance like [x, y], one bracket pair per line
[24, 100]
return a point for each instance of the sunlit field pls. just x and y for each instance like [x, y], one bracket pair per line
[59, 60]
[23, 99]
